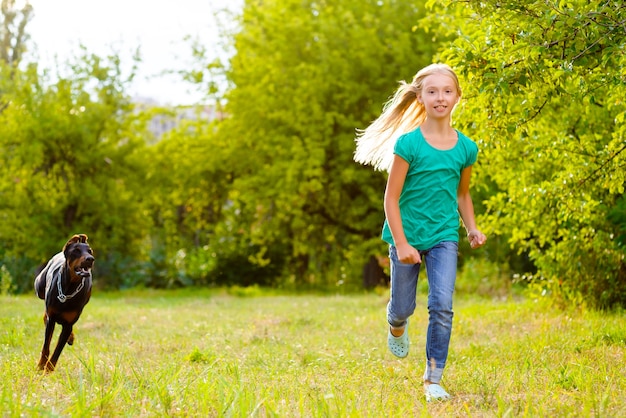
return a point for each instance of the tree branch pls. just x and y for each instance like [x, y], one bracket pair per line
[604, 164]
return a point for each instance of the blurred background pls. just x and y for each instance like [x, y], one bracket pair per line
[210, 143]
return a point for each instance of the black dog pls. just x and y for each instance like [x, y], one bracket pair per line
[65, 285]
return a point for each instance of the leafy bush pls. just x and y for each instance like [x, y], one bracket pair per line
[6, 281]
[545, 101]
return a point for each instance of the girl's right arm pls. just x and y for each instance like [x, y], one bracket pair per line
[397, 174]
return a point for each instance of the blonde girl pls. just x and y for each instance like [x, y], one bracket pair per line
[429, 165]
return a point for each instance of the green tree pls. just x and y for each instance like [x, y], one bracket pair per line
[189, 175]
[305, 75]
[545, 87]
[71, 161]
[13, 35]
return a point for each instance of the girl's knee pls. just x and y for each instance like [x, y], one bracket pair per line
[397, 316]
[441, 316]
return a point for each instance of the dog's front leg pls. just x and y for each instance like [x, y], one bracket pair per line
[45, 351]
[65, 335]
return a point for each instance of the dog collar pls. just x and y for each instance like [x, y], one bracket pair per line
[62, 298]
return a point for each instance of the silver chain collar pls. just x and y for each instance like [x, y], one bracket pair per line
[62, 298]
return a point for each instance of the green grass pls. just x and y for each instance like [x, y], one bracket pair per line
[206, 353]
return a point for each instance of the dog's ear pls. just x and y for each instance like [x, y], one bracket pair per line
[82, 238]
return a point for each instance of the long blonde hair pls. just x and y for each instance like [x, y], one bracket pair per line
[401, 114]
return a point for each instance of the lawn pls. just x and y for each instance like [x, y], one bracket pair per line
[205, 353]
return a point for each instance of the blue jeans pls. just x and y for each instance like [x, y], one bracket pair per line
[441, 263]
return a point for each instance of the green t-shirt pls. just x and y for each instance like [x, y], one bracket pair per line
[428, 202]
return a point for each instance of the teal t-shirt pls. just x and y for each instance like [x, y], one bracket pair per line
[428, 202]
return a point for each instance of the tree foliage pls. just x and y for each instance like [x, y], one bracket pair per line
[305, 75]
[13, 33]
[269, 193]
[545, 82]
[70, 161]
[189, 174]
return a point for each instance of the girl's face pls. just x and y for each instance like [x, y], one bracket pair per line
[439, 95]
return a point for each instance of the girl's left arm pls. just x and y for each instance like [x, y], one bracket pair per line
[466, 209]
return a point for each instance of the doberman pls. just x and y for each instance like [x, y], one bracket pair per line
[65, 285]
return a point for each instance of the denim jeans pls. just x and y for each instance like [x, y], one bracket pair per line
[441, 263]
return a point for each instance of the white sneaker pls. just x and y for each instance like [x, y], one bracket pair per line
[434, 392]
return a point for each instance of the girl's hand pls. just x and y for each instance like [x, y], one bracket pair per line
[476, 238]
[407, 254]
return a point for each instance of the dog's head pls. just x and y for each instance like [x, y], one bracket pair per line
[78, 257]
